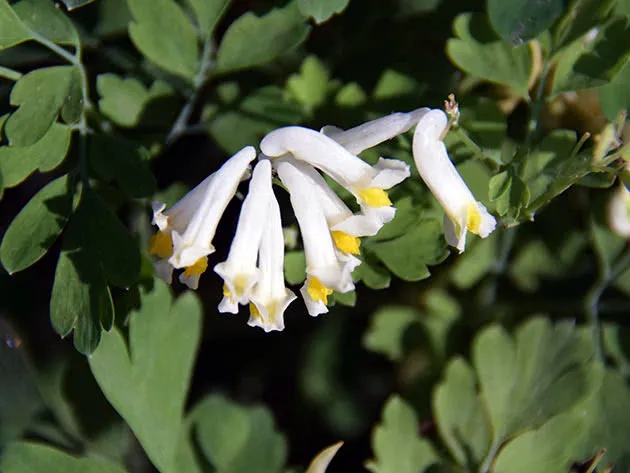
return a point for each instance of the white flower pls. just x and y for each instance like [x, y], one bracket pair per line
[327, 268]
[239, 271]
[375, 132]
[462, 212]
[619, 212]
[320, 463]
[184, 239]
[270, 297]
[367, 183]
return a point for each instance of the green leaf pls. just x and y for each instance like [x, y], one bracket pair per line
[147, 382]
[461, 416]
[580, 17]
[387, 329]
[80, 297]
[475, 263]
[310, 87]
[480, 54]
[122, 160]
[40, 96]
[584, 65]
[163, 33]
[606, 415]
[42, 219]
[321, 10]
[29, 457]
[552, 445]
[396, 443]
[371, 273]
[408, 255]
[254, 116]
[17, 163]
[110, 240]
[113, 17]
[13, 30]
[615, 96]
[124, 100]
[392, 84]
[238, 439]
[44, 19]
[295, 267]
[522, 20]
[251, 40]
[208, 13]
[509, 193]
[527, 380]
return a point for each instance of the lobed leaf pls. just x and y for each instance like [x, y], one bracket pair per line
[147, 382]
[322, 10]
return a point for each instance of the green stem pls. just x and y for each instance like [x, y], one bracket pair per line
[201, 77]
[10, 74]
[487, 462]
[591, 301]
[462, 135]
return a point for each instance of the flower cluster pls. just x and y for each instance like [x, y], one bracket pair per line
[253, 272]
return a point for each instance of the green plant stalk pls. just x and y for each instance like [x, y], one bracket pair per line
[10, 74]
[591, 300]
[201, 77]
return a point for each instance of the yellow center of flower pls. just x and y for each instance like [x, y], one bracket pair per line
[318, 291]
[226, 291]
[346, 243]
[473, 219]
[240, 284]
[199, 267]
[253, 310]
[375, 197]
[161, 245]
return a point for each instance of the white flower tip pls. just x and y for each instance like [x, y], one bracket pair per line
[159, 218]
[277, 142]
[320, 463]
[331, 131]
[270, 315]
[228, 305]
[488, 222]
[192, 281]
[619, 212]
[163, 270]
[431, 125]
[389, 173]
[314, 307]
[239, 286]
[455, 233]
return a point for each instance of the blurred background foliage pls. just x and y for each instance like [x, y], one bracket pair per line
[511, 357]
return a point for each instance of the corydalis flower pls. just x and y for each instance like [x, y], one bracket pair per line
[619, 212]
[367, 183]
[270, 297]
[328, 269]
[239, 271]
[462, 212]
[184, 238]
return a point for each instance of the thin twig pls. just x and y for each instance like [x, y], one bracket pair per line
[181, 123]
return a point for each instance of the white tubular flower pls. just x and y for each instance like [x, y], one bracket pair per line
[320, 463]
[270, 297]
[326, 268]
[344, 226]
[184, 238]
[367, 183]
[619, 212]
[375, 132]
[239, 271]
[462, 212]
